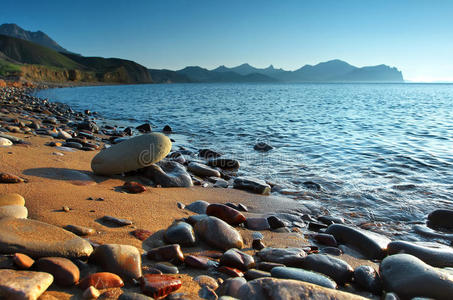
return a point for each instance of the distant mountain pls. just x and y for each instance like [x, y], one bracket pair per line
[333, 70]
[167, 76]
[40, 63]
[198, 74]
[37, 37]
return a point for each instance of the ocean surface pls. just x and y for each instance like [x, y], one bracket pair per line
[382, 153]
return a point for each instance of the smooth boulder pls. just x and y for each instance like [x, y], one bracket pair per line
[11, 199]
[14, 211]
[132, 154]
[168, 174]
[282, 289]
[293, 257]
[335, 268]
[5, 142]
[180, 233]
[369, 244]
[218, 233]
[252, 185]
[202, 170]
[303, 275]
[436, 255]
[441, 218]
[198, 207]
[409, 277]
[225, 213]
[38, 239]
[368, 279]
[65, 272]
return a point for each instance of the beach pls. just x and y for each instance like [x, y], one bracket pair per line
[60, 188]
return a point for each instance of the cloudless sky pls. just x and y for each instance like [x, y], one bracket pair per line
[416, 36]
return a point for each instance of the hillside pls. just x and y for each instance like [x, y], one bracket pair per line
[39, 63]
[37, 37]
[198, 74]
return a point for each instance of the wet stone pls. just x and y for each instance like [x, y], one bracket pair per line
[442, 218]
[333, 267]
[368, 279]
[159, 286]
[124, 260]
[180, 233]
[409, 277]
[200, 262]
[204, 280]
[257, 223]
[254, 274]
[252, 185]
[65, 272]
[292, 257]
[258, 244]
[134, 187]
[303, 275]
[370, 244]
[325, 239]
[202, 170]
[436, 255]
[224, 163]
[231, 286]
[141, 234]
[275, 222]
[166, 268]
[267, 266]
[233, 272]
[237, 259]
[168, 174]
[225, 213]
[331, 250]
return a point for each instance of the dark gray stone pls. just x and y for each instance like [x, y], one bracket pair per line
[292, 257]
[441, 218]
[436, 255]
[333, 267]
[368, 279]
[252, 185]
[168, 174]
[409, 277]
[180, 233]
[224, 163]
[202, 170]
[303, 275]
[198, 207]
[218, 233]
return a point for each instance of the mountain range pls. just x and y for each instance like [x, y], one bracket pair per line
[37, 57]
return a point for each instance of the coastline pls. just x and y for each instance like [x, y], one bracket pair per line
[61, 190]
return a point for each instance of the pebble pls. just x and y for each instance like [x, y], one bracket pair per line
[325, 239]
[134, 187]
[231, 286]
[254, 274]
[202, 170]
[168, 174]
[225, 213]
[166, 268]
[268, 266]
[159, 286]
[303, 275]
[441, 218]
[293, 257]
[237, 259]
[233, 272]
[207, 293]
[10, 178]
[38, 239]
[218, 233]
[5, 142]
[65, 272]
[275, 222]
[124, 260]
[258, 244]
[368, 279]
[116, 221]
[333, 267]
[102, 280]
[204, 280]
[80, 230]
[281, 289]
[198, 207]
[252, 185]
[91, 293]
[208, 153]
[370, 244]
[12, 199]
[133, 296]
[224, 163]
[146, 127]
[14, 211]
[25, 285]
[23, 261]
[132, 154]
[167, 129]
[436, 255]
[166, 253]
[409, 277]
[199, 262]
[257, 223]
[180, 233]
[426, 231]
[141, 234]
[221, 183]
[331, 220]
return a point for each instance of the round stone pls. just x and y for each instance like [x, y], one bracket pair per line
[436, 255]
[130, 155]
[5, 142]
[333, 267]
[102, 280]
[218, 233]
[11, 199]
[65, 272]
[202, 170]
[303, 275]
[368, 279]
[198, 207]
[441, 218]
[225, 213]
[180, 233]
[14, 211]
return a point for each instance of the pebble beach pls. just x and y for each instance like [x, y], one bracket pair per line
[91, 211]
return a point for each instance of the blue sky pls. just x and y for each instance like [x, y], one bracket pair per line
[414, 35]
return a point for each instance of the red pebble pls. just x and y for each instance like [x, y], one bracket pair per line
[159, 286]
[134, 187]
[225, 213]
[231, 271]
[141, 234]
[103, 280]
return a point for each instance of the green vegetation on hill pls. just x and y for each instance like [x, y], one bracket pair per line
[8, 69]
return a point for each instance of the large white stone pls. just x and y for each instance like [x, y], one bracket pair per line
[24, 285]
[130, 155]
[5, 142]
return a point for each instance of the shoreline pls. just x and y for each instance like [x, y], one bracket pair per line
[60, 177]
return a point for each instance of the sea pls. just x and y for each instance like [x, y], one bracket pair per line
[382, 154]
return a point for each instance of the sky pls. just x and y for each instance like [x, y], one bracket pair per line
[416, 36]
